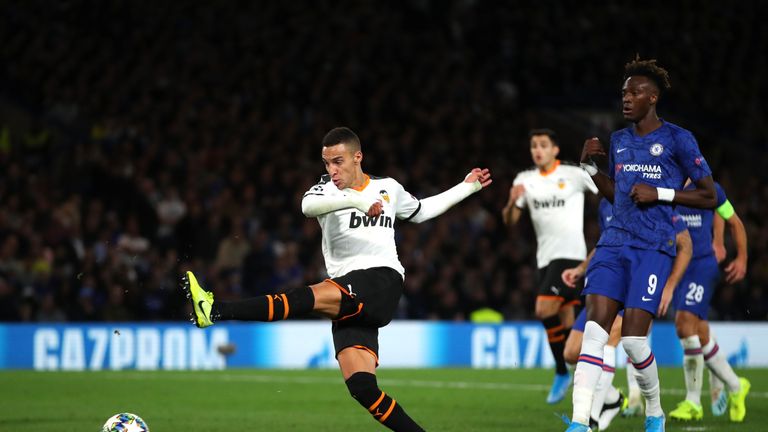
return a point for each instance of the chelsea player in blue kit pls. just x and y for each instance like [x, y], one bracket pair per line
[648, 164]
[608, 400]
[692, 300]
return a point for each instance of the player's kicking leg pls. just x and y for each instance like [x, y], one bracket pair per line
[273, 307]
[331, 300]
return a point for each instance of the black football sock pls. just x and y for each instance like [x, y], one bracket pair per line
[273, 307]
[556, 335]
[364, 388]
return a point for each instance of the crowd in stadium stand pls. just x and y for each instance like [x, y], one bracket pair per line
[150, 138]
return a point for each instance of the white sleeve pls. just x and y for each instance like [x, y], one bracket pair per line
[437, 204]
[407, 205]
[520, 203]
[324, 198]
[587, 181]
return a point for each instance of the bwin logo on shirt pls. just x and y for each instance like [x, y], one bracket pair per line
[550, 203]
[356, 221]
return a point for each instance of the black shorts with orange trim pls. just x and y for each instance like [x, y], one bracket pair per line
[375, 293]
[551, 283]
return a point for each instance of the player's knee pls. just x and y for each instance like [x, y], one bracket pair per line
[363, 388]
[301, 299]
[544, 313]
[571, 351]
[636, 347]
[684, 326]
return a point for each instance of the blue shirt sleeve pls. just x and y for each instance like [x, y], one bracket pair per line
[721, 198]
[604, 214]
[690, 158]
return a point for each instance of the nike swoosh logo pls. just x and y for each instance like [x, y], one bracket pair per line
[621, 149]
[646, 299]
[200, 305]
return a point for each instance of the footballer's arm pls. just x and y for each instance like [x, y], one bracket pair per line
[736, 269]
[438, 204]
[511, 213]
[318, 204]
[703, 196]
[682, 259]
[605, 184]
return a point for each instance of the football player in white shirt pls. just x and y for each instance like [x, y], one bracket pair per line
[356, 213]
[553, 193]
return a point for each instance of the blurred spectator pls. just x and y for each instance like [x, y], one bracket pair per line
[141, 138]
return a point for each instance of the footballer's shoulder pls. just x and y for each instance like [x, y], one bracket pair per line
[622, 133]
[375, 177]
[569, 164]
[525, 174]
[570, 168]
[678, 132]
[531, 170]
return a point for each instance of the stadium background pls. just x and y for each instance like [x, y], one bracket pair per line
[140, 139]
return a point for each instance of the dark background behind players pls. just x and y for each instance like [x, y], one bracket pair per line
[138, 137]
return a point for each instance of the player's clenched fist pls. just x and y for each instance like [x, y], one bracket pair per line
[642, 193]
[592, 147]
[376, 209]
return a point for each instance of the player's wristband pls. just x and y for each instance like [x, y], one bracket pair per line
[590, 167]
[665, 194]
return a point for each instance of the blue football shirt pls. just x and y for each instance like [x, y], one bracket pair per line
[699, 223]
[664, 158]
[604, 214]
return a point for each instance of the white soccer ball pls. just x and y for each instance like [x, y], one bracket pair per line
[125, 422]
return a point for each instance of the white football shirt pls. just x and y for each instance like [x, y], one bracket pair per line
[354, 241]
[555, 201]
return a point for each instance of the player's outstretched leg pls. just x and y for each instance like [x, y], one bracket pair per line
[738, 388]
[202, 301]
[718, 395]
[274, 307]
[364, 388]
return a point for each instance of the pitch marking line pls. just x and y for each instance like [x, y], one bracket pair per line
[467, 385]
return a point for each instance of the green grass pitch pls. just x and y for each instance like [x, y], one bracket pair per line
[317, 400]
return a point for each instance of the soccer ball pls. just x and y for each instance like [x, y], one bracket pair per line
[125, 422]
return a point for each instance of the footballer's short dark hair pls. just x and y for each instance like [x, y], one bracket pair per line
[649, 69]
[544, 131]
[342, 135]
